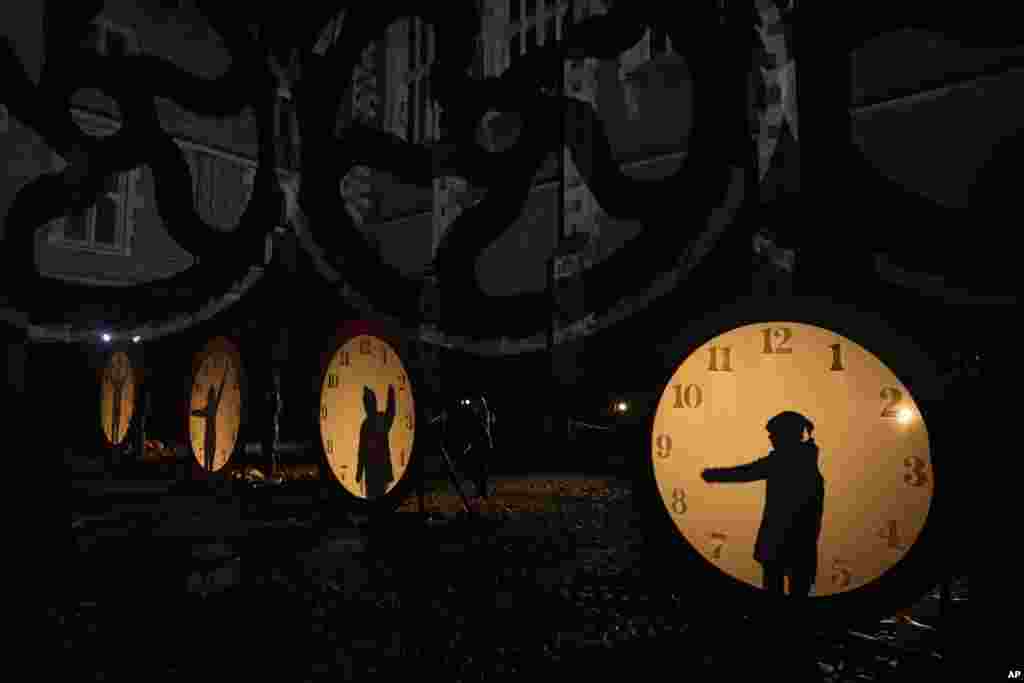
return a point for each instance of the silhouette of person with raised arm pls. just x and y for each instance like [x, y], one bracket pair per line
[209, 413]
[787, 541]
[374, 447]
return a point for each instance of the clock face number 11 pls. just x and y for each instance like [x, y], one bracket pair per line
[746, 503]
[367, 416]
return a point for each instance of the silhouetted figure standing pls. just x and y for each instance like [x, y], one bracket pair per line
[374, 447]
[209, 413]
[272, 442]
[480, 443]
[787, 541]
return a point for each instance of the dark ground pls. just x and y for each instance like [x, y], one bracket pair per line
[166, 585]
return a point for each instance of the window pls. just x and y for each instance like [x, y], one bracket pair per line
[412, 115]
[108, 225]
[221, 185]
[111, 40]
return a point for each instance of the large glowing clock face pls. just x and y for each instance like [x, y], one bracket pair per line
[215, 404]
[367, 416]
[117, 397]
[844, 528]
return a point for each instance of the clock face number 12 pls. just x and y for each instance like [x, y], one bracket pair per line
[762, 503]
[367, 416]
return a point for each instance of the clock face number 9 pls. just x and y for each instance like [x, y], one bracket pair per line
[745, 503]
[117, 397]
[215, 405]
[367, 416]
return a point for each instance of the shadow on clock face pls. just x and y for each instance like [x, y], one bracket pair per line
[374, 459]
[787, 540]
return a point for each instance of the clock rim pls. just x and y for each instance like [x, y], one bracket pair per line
[343, 333]
[223, 343]
[136, 376]
[924, 564]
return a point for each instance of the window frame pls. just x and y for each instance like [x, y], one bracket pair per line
[124, 198]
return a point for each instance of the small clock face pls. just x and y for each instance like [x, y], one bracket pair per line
[117, 397]
[844, 512]
[215, 404]
[367, 416]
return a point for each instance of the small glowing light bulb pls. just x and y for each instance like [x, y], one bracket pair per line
[136, 339]
[905, 416]
[106, 336]
[622, 406]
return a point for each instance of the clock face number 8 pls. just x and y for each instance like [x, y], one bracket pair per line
[366, 416]
[853, 490]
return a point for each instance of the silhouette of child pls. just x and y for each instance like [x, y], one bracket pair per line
[374, 447]
[787, 541]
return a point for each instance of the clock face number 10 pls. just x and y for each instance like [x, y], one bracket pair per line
[367, 416]
[736, 498]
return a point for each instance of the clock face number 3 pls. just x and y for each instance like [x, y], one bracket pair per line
[367, 419]
[872, 454]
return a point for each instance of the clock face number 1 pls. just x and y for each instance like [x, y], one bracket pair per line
[873, 455]
[366, 416]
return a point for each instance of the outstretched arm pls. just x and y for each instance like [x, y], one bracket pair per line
[749, 472]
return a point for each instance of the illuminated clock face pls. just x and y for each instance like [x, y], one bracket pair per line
[753, 502]
[117, 397]
[215, 404]
[367, 416]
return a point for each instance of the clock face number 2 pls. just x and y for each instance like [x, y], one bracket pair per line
[873, 454]
[366, 416]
